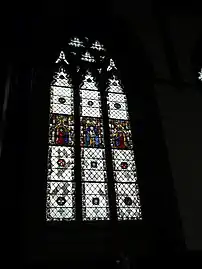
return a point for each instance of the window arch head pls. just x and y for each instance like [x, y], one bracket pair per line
[88, 102]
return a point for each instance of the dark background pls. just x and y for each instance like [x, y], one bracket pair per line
[157, 50]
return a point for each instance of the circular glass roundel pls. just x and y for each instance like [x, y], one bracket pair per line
[128, 200]
[94, 164]
[62, 100]
[90, 103]
[61, 201]
[61, 77]
[124, 165]
[95, 201]
[114, 84]
[61, 162]
[117, 105]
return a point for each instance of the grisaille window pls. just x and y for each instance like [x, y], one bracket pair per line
[91, 62]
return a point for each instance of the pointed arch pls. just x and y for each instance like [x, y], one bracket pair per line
[99, 87]
[60, 178]
[123, 159]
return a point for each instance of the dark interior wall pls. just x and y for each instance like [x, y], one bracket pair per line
[33, 45]
[182, 112]
[171, 36]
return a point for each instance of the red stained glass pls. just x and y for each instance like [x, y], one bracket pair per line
[124, 165]
[120, 133]
[62, 130]
[91, 132]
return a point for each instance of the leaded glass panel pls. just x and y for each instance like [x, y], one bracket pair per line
[89, 82]
[61, 100]
[114, 86]
[60, 202]
[124, 168]
[90, 106]
[128, 201]
[61, 130]
[114, 97]
[91, 132]
[120, 134]
[62, 79]
[61, 185]
[95, 201]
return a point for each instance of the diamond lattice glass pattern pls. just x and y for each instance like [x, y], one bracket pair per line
[128, 201]
[118, 98]
[93, 164]
[114, 86]
[60, 214]
[124, 165]
[89, 105]
[89, 82]
[95, 201]
[117, 106]
[62, 79]
[91, 132]
[61, 101]
[60, 202]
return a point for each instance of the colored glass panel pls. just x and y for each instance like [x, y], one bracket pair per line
[60, 200]
[124, 168]
[120, 134]
[91, 132]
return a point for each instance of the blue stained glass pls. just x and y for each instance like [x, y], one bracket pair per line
[91, 132]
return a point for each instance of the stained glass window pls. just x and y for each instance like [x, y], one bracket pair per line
[94, 187]
[60, 179]
[124, 168]
[80, 107]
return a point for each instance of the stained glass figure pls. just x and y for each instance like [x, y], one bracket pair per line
[124, 168]
[60, 202]
[87, 57]
[93, 165]
[61, 130]
[97, 45]
[111, 65]
[62, 58]
[76, 42]
[120, 134]
[61, 185]
[91, 132]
